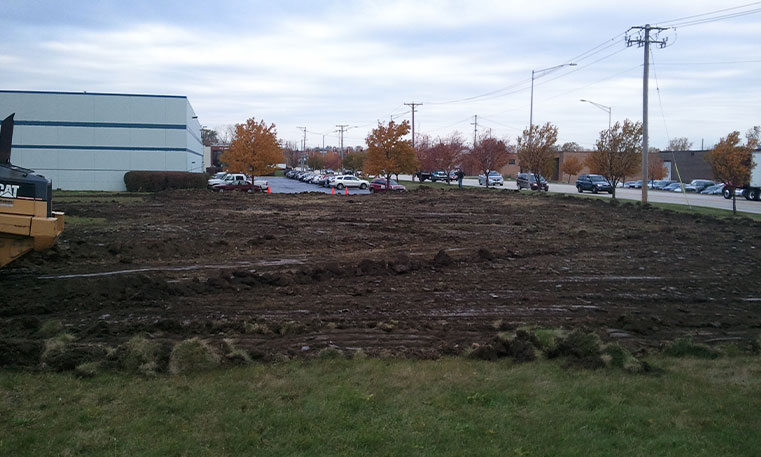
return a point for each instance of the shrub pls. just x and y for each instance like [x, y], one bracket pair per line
[192, 355]
[155, 181]
[685, 347]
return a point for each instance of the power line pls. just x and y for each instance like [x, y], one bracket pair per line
[680, 22]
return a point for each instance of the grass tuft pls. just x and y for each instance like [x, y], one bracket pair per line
[685, 347]
[50, 328]
[191, 356]
[141, 355]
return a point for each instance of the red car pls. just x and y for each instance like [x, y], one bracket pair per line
[380, 185]
[242, 186]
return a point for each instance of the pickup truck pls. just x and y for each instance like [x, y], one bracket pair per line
[233, 178]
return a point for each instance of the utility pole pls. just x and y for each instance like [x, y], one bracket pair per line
[475, 129]
[643, 40]
[413, 105]
[341, 129]
[303, 145]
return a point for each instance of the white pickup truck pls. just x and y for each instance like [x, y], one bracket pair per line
[222, 177]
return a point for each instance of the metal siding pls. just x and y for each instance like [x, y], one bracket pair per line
[93, 156]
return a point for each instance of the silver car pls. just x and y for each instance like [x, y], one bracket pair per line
[495, 179]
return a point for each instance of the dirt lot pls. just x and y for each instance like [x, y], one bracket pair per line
[416, 275]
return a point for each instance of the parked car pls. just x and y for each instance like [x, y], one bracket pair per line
[593, 183]
[701, 184]
[677, 187]
[633, 184]
[241, 186]
[423, 175]
[380, 185]
[495, 179]
[528, 181]
[341, 181]
[716, 189]
[661, 183]
[440, 175]
[218, 178]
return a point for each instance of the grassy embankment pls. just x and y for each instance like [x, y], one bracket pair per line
[448, 407]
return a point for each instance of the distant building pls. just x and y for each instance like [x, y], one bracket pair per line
[88, 141]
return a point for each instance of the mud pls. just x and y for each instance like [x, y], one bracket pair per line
[418, 275]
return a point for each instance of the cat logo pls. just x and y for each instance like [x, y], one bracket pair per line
[8, 190]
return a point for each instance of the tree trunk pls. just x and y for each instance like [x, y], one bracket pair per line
[734, 202]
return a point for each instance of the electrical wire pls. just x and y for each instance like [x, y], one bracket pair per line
[665, 126]
[714, 16]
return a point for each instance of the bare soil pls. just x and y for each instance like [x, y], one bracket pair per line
[415, 275]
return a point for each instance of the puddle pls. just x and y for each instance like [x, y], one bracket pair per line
[266, 263]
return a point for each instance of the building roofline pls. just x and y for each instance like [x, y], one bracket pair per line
[90, 93]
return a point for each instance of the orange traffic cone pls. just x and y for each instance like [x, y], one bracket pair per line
[332, 191]
[268, 190]
[347, 191]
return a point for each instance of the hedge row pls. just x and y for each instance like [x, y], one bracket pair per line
[154, 181]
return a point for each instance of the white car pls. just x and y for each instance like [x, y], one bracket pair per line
[495, 179]
[341, 181]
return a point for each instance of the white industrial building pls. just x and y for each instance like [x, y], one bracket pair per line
[88, 141]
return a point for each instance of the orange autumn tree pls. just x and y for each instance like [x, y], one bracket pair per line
[254, 149]
[732, 162]
[388, 153]
[571, 166]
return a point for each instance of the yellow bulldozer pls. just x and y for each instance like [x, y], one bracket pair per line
[27, 219]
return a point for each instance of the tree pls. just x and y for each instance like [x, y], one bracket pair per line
[571, 166]
[571, 147]
[680, 144]
[333, 160]
[254, 149]
[292, 156]
[316, 161]
[754, 135]
[536, 149]
[617, 153]
[209, 137]
[442, 154]
[388, 153]
[732, 163]
[489, 154]
[656, 169]
[354, 160]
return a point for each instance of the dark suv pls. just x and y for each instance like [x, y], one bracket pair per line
[528, 181]
[593, 183]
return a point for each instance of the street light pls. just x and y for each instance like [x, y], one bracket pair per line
[602, 107]
[533, 76]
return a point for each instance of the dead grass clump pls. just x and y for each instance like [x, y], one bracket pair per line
[50, 328]
[192, 355]
[140, 354]
[234, 354]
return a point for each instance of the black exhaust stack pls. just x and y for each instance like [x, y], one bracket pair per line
[6, 135]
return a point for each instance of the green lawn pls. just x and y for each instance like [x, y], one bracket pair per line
[448, 407]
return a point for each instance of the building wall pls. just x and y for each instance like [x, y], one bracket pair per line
[88, 141]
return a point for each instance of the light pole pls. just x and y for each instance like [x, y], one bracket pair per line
[533, 76]
[602, 107]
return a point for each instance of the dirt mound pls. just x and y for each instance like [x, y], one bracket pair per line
[420, 274]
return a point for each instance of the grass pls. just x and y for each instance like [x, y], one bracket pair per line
[334, 406]
[83, 221]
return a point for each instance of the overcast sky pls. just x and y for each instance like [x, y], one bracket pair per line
[322, 63]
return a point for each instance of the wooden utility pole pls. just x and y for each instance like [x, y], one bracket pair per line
[413, 105]
[643, 39]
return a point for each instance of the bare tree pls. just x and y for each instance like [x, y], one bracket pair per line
[680, 144]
